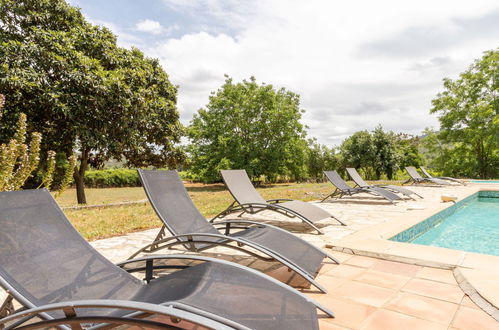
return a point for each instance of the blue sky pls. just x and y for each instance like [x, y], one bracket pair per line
[355, 64]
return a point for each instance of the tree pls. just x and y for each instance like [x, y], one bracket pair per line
[468, 110]
[250, 126]
[385, 154]
[407, 149]
[358, 151]
[320, 158]
[380, 152]
[81, 91]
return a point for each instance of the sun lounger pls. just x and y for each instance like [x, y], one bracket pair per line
[446, 178]
[416, 178]
[247, 199]
[342, 188]
[190, 229]
[395, 189]
[59, 278]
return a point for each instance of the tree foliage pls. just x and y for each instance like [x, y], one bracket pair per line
[468, 110]
[251, 126]
[320, 158]
[82, 91]
[378, 152]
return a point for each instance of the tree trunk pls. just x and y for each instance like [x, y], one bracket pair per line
[79, 176]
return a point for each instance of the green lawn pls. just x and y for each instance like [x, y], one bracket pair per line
[97, 223]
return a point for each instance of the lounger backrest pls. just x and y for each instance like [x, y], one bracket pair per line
[172, 203]
[336, 180]
[43, 259]
[425, 172]
[413, 173]
[240, 186]
[356, 177]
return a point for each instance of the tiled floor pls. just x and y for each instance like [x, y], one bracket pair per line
[369, 293]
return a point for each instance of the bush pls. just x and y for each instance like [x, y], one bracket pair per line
[119, 177]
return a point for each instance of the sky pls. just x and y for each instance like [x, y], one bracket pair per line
[355, 64]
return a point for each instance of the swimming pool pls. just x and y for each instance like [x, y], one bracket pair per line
[469, 225]
[484, 181]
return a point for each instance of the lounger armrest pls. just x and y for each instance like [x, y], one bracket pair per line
[248, 223]
[230, 224]
[279, 200]
[134, 317]
[176, 256]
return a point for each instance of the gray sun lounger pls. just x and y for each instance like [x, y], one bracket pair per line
[248, 200]
[190, 229]
[395, 189]
[416, 178]
[60, 279]
[445, 178]
[342, 188]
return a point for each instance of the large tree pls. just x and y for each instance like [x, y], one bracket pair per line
[468, 110]
[379, 152]
[358, 151]
[251, 126]
[82, 91]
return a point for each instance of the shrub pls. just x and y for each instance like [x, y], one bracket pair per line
[118, 177]
[18, 161]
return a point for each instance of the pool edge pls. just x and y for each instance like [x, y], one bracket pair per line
[374, 242]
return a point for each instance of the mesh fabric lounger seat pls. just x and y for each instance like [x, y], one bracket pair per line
[396, 189]
[44, 261]
[342, 188]
[415, 177]
[189, 228]
[446, 178]
[247, 199]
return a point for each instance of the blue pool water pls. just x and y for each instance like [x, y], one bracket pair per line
[470, 225]
[485, 181]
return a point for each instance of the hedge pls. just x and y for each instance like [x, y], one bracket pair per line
[119, 177]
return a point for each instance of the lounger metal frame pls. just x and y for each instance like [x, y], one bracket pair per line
[271, 205]
[425, 172]
[352, 191]
[355, 176]
[190, 241]
[416, 178]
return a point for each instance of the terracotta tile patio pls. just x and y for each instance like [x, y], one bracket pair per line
[380, 294]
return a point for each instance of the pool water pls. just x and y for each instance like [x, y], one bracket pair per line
[471, 225]
[485, 181]
[474, 227]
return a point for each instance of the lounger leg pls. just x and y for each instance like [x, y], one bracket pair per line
[7, 307]
[159, 237]
[407, 181]
[328, 255]
[224, 212]
[342, 223]
[330, 195]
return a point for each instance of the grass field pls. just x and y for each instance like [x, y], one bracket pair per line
[97, 223]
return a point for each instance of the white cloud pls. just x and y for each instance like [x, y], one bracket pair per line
[355, 64]
[126, 39]
[149, 26]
